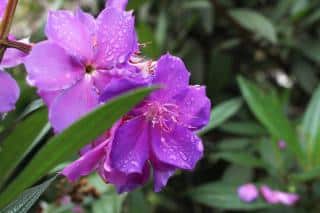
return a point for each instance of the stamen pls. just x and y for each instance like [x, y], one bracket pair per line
[163, 115]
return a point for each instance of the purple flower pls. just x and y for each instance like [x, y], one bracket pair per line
[163, 127]
[248, 192]
[159, 133]
[278, 197]
[81, 56]
[282, 145]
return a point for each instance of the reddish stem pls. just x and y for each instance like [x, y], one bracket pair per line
[6, 24]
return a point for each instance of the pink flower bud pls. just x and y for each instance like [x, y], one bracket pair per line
[248, 192]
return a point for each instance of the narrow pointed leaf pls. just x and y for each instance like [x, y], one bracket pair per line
[19, 142]
[256, 23]
[222, 113]
[270, 113]
[26, 200]
[311, 128]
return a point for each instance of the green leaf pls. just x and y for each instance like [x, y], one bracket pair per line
[311, 129]
[196, 4]
[306, 75]
[246, 128]
[146, 36]
[256, 23]
[307, 176]
[269, 112]
[135, 4]
[221, 113]
[110, 202]
[238, 158]
[20, 141]
[33, 106]
[243, 174]
[223, 196]
[309, 48]
[26, 200]
[137, 203]
[233, 144]
[64, 145]
[161, 30]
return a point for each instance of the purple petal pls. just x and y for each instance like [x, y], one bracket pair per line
[194, 107]
[65, 29]
[269, 195]
[288, 199]
[125, 182]
[119, 4]
[282, 145]
[180, 148]
[248, 192]
[130, 147]
[275, 197]
[49, 97]
[172, 75]
[118, 86]
[161, 174]
[116, 38]
[3, 5]
[86, 163]
[101, 80]
[87, 20]
[74, 103]
[12, 57]
[50, 68]
[9, 92]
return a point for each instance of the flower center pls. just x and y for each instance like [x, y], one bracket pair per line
[164, 115]
[89, 69]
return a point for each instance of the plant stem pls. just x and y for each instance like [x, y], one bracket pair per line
[26, 48]
[6, 24]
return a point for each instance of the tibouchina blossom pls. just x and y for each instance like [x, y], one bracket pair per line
[248, 192]
[159, 133]
[9, 89]
[282, 145]
[81, 56]
[278, 197]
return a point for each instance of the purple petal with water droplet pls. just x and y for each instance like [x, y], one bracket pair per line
[49, 67]
[116, 38]
[172, 75]
[72, 104]
[130, 146]
[194, 107]
[161, 174]
[119, 86]
[71, 33]
[180, 147]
